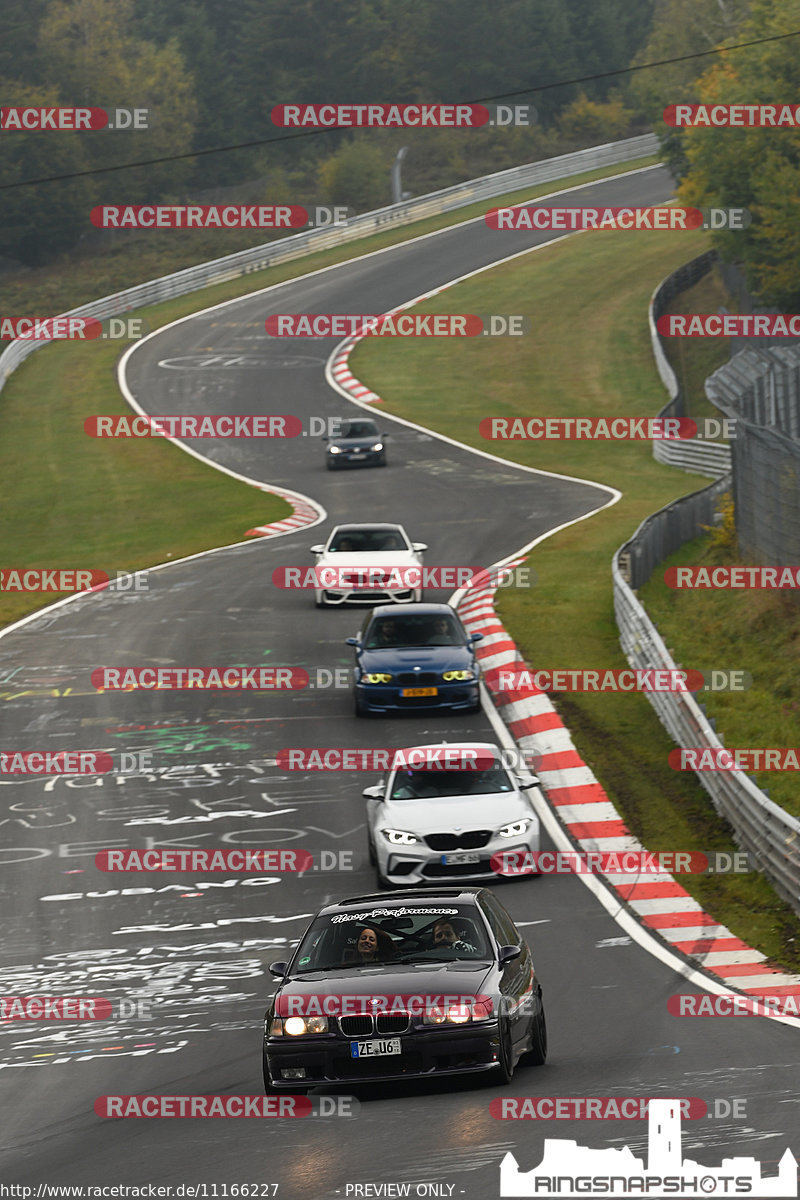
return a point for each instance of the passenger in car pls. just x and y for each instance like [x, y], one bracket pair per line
[445, 936]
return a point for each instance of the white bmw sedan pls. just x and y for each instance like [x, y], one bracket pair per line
[450, 819]
[368, 564]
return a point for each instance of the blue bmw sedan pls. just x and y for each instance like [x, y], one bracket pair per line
[415, 656]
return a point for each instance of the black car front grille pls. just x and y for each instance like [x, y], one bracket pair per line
[366, 1024]
[358, 1026]
[468, 839]
[417, 679]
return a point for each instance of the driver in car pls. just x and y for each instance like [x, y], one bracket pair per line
[444, 935]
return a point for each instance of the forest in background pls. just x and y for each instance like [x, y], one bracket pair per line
[210, 73]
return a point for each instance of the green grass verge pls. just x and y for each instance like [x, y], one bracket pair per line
[588, 355]
[110, 504]
[694, 359]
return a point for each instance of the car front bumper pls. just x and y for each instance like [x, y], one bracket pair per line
[415, 866]
[378, 697]
[424, 1052]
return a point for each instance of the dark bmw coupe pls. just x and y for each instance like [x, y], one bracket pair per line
[438, 982]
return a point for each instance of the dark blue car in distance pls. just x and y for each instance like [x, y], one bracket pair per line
[415, 656]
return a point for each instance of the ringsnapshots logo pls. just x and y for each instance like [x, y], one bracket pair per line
[71, 120]
[567, 1169]
[397, 324]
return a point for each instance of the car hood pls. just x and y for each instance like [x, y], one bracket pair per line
[454, 978]
[372, 558]
[427, 658]
[469, 812]
[352, 443]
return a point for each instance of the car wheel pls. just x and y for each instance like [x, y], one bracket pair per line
[537, 1055]
[506, 1056]
[330, 464]
[320, 603]
[373, 862]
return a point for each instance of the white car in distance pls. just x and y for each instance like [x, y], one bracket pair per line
[367, 564]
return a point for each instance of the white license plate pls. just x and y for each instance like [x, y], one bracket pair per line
[374, 1047]
[460, 856]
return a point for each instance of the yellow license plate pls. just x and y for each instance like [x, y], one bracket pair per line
[420, 692]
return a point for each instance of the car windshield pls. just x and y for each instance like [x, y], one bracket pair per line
[422, 630]
[357, 429]
[366, 541]
[410, 784]
[435, 933]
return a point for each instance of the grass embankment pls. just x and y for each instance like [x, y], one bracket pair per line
[588, 355]
[71, 501]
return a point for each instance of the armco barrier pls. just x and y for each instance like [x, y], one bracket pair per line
[762, 828]
[255, 259]
[704, 458]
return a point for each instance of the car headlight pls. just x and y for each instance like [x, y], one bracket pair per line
[457, 1014]
[515, 829]
[377, 446]
[398, 837]
[334, 449]
[457, 676]
[376, 677]
[297, 1026]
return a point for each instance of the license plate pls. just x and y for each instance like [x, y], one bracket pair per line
[374, 1047]
[419, 692]
[462, 856]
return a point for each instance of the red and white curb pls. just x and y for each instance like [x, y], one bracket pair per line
[584, 810]
[344, 376]
[306, 513]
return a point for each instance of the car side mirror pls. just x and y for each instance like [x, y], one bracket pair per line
[352, 642]
[278, 968]
[508, 953]
[420, 547]
[524, 784]
[376, 792]
[476, 637]
[317, 549]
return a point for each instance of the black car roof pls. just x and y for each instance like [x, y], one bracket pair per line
[420, 608]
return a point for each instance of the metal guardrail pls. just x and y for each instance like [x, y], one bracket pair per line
[769, 834]
[232, 266]
[704, 458]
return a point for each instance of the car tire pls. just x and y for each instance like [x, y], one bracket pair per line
[506, 1056]
[269, 1090]
[330, 464]
[373, 862]
[320, 603]
[537, 1055]
[358, 707]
